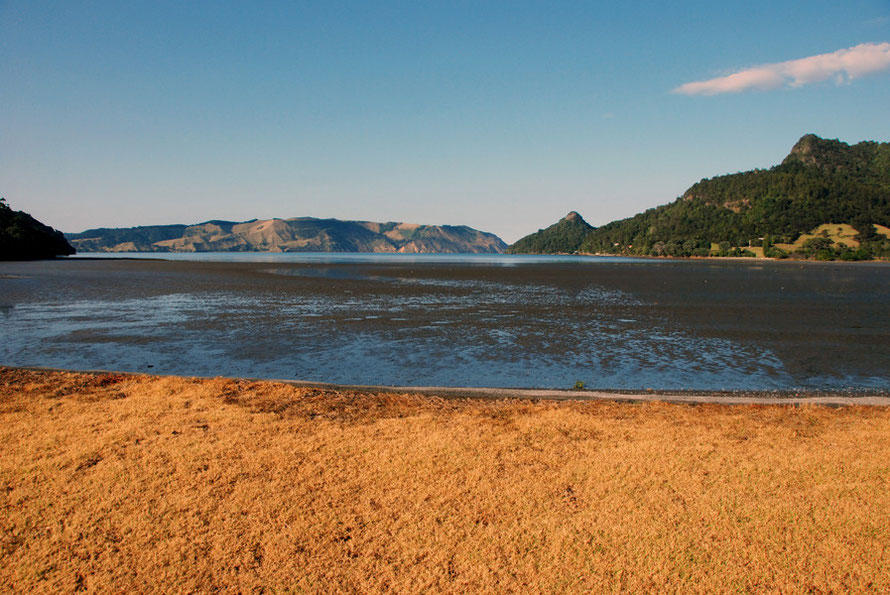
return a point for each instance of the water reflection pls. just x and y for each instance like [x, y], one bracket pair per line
[507, 260]
[425, 325]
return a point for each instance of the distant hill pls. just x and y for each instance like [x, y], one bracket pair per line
[563, 237]
[22, 237]
[820, 182]
[826, 200]
[302, 234]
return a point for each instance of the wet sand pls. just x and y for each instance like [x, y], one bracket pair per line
[677, 325]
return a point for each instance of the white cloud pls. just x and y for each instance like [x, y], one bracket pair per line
[842, 66]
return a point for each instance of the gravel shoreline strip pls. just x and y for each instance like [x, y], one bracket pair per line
[792, 398]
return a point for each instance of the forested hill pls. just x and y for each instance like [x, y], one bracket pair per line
[820, 182]
[564, 236]
[22, 237]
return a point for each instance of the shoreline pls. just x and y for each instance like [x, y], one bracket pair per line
[748, 259]
[726, 258]
[160, 256]
[875, 398]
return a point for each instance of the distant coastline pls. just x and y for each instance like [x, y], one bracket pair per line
[790, 259]
[346, 257]
[300, 234]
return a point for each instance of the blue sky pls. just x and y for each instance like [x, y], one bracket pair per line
[499, 115]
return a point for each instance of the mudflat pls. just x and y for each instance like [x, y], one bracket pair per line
[115, 482]
[609, 323]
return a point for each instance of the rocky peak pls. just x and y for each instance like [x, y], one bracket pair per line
[814, 150]
[573, 216]
[806, 145]
[574, 219]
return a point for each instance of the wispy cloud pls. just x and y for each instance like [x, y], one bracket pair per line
[842, 66]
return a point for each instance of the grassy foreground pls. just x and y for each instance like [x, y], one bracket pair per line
[138, 483]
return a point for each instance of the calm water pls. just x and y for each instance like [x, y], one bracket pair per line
[480, 320]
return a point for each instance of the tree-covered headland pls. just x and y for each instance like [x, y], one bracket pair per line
[22, 237]
[563, 237]
[771, 211]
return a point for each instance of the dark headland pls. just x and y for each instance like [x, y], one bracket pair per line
[22, 237]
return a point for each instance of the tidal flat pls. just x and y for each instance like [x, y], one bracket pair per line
[609, 323]
[135, 483]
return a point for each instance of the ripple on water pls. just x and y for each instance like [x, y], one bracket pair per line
[427, 331]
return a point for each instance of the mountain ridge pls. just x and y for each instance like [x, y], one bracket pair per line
[297, 234]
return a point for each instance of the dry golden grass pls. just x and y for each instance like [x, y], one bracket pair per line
[757, 250]
[839, 233]
[136, 483]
